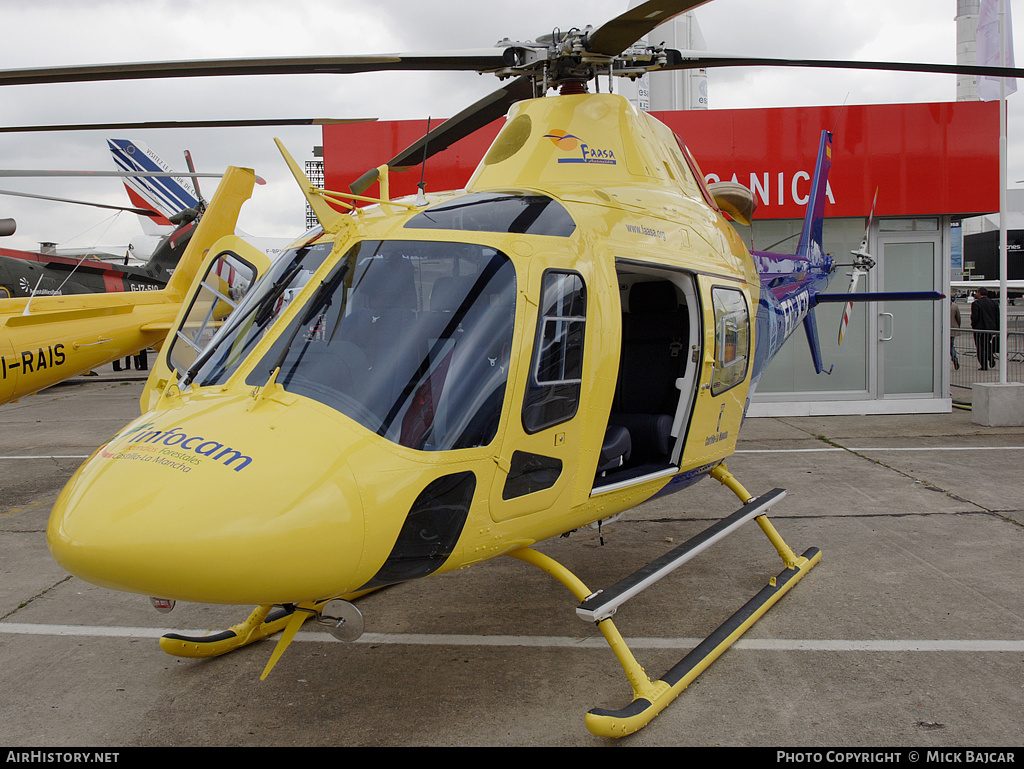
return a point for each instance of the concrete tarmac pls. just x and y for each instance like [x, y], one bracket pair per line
[909, 633]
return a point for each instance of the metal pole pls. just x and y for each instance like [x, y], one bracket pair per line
[1002, 198]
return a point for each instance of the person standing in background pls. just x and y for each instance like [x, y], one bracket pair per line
[985, 319]
[954, 322]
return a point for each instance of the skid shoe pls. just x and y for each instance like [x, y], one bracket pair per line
[651, 697]
[338, 616]
[262, 622]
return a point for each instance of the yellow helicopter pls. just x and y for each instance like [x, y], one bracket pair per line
[422, 384]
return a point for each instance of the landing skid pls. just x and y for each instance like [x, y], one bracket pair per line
[262, 622]
[651, 697]
[266, 620]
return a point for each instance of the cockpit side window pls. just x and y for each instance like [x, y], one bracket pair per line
[225, 283]
[255, 314]
[411, 339]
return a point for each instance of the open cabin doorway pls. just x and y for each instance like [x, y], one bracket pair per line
[658, 375]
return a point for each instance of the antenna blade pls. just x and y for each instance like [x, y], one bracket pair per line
[488, 109]
[325, 214]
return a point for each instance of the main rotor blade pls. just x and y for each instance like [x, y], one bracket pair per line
[27, 174]
[183, 124]
[477, 115]
[473, 60]
[700, 60]
[615, 36]
[139, 211]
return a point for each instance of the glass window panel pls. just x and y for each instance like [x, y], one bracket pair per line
[925, 224]
[220, 291]
[792, 370]
[909, 356]
[411, 339]
[732, 339]
[556, 371]
[257, 312]
[498, 212]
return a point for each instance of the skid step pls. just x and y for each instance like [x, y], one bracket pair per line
[650, 700]
[604, 603]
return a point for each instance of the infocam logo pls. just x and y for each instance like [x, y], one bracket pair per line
[176, 444]
[587, 154]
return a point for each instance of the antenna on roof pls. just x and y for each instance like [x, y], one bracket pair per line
[421, 196]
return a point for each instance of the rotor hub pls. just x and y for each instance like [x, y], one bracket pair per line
[562, 59]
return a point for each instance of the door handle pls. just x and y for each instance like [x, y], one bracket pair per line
[886, 338]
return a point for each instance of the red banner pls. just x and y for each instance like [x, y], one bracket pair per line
[924, 159]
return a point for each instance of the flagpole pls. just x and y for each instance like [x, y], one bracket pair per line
[1002, 199]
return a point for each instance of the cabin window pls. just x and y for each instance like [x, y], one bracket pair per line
[411, 339]
[529, 473]
[498, 212]
[732, 339]
[556, 372]
[220, 291]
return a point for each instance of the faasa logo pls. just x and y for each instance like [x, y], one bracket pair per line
[566, 142]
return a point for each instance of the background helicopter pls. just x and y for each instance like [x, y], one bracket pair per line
[166, 207]
[722, 352]
[77, 315]
[47, 339]
[24, 274]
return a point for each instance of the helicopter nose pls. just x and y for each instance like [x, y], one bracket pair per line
[225, 504]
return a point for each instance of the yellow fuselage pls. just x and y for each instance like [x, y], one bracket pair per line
[252, 490]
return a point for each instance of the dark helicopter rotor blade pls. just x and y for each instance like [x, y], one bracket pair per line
[34, 173]
[615, 36]
[183, 124]
[474, 60]
[47, 174]
[139, 211]
[477, 115]
[702, 60]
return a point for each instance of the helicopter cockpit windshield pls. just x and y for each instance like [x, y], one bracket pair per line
[411, 339]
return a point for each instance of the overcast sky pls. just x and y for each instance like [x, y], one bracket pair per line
[59, 32]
